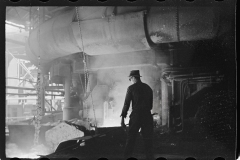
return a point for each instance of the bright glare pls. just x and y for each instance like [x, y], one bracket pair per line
[12, 150]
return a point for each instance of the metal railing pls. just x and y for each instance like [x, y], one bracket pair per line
[17, 119]
[22, 65]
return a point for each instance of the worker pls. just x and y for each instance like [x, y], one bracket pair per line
[141, 96]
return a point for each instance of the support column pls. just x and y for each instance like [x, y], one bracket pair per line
[6, 67]
[43, 69]
[67, 82]
[78, 86]
[165, 103]
[42, 91]
[69, 111]
[42, 94]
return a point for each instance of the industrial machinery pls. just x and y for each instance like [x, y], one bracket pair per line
[183, 51]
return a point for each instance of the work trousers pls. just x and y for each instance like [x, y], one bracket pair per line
[145, 122]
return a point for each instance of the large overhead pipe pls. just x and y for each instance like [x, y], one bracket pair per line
[174, 24]
[128, 32]
[140, 58]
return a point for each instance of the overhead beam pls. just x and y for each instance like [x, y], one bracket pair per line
[32, 98]
[33, 89]
[55, 10]
[31, 94]
[20, 79]
[20, 27]
[15, 42]
[10, 47]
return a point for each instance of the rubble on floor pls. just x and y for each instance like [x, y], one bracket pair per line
[64, 131]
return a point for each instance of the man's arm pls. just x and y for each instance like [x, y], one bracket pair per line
[123, 123]
[151, 99]
[127, 102]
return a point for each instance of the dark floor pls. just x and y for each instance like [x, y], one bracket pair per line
[174, 150]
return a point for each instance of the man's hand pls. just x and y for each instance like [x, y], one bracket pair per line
[123, 124]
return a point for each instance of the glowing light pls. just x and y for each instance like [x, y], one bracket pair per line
[12, 150]
[82, 144]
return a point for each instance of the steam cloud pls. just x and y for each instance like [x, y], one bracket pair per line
[118, 81]
[112, 71]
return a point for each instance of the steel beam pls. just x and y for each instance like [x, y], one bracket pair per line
[20, 79]
[31, 94]
[31, 98]
[32, 89]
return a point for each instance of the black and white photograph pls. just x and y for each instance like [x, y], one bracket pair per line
[141, 81]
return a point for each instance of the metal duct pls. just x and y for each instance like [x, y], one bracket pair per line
[87, 13]
[111, 35]
[53, 38]
[173, 24]
[60, 36]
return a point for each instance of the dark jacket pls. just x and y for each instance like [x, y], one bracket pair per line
[141, 96]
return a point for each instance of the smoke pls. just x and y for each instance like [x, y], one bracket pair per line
[118, 81]
[117, 97]
[12, 150]
[113, 71]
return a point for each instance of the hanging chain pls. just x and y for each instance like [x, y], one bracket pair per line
[86, 74]
[84, 60]
[84, 55]
[38, 115]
